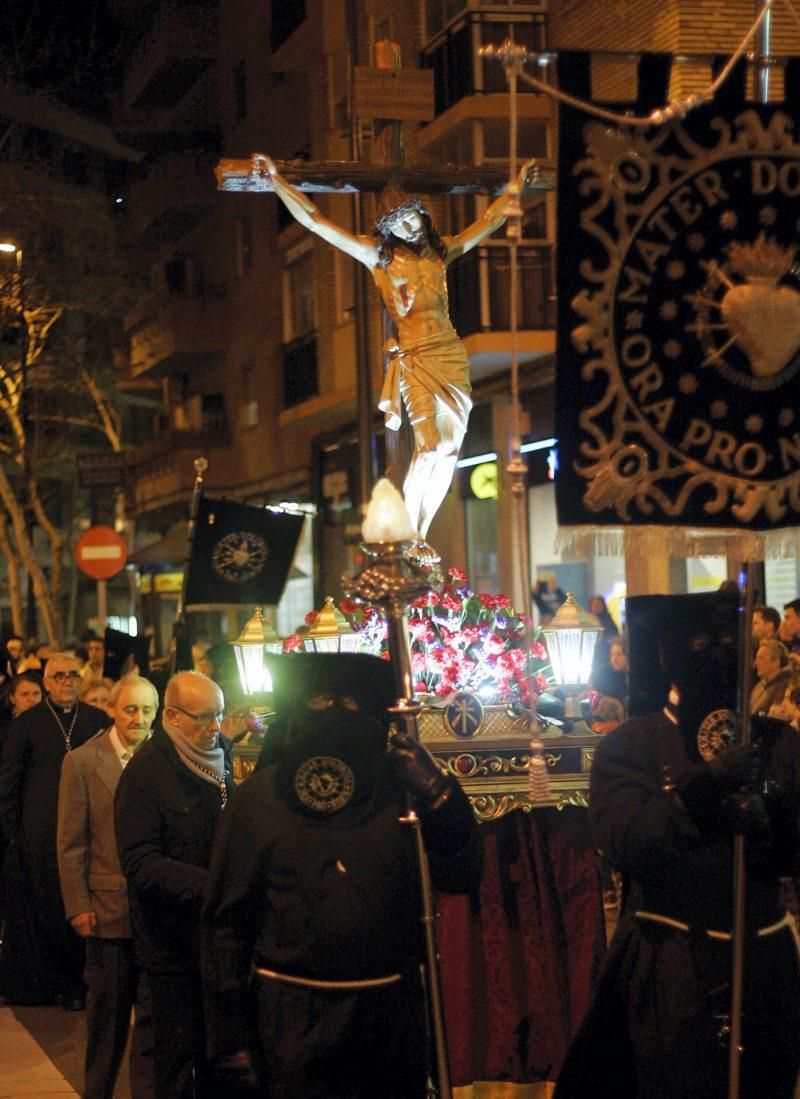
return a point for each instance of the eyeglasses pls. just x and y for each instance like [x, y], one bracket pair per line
[62, 677]
[202, 721]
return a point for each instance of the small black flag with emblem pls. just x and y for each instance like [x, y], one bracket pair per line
[240, 553]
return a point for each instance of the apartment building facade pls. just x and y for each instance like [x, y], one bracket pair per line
[249, 335]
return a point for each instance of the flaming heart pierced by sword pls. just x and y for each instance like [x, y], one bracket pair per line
[763, 317]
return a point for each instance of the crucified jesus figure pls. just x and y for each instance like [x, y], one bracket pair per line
[428, 364]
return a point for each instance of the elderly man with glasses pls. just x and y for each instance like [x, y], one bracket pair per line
[168, 802]
[42, 958]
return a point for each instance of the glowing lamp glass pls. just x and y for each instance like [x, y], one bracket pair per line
[249, 648]
[571, 639]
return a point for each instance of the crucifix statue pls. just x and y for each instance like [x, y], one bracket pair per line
[427, 366]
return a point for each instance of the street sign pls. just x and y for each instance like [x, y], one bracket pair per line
[393, 93]
[101, 553]
[101, 468]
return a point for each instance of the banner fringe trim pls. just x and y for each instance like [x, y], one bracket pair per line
[677, 542]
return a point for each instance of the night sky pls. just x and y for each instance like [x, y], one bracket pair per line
[70, 50]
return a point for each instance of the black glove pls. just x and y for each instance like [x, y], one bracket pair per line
[731, 770]
[738, 767]
[417, 770]
[238, 1074]
[746, 814]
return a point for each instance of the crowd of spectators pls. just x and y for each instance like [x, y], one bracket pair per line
[70, 723]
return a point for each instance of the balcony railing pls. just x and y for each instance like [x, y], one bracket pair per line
[178, 190]
[168, 332]
[300, 371]
[479, 285]
[458, 68]
[160, 471]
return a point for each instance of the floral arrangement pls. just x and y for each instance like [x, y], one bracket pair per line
[463, 641]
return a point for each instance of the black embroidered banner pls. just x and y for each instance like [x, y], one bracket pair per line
[240, 553]
[678, 397]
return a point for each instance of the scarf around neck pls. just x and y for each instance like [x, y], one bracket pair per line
[207, 763]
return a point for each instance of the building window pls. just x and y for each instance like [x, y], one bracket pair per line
[244, 245]
[300, 373]
[212, 412]
[239, 91]
[339, 81]
[248, 415]
[286, 18]
[299, 302]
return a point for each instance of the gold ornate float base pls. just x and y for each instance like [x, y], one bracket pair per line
[487, 748]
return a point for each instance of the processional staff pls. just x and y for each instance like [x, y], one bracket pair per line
[179, 628]
[391, 580]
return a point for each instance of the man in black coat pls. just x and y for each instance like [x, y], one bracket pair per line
[311, 930]
[668, 793]
[168, 802]
[42, 958]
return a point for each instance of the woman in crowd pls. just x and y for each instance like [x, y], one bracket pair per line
[24, 691]
[95, 692]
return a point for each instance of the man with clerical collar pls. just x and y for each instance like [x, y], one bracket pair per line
[168, 802]
[42, 960]
[96, 896]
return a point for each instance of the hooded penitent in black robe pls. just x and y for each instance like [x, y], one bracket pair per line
[309, 896]
[656, 1028]
[41, 957]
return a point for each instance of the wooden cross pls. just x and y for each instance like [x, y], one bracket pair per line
[388, 166]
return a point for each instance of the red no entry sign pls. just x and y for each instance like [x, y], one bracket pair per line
[101, 553]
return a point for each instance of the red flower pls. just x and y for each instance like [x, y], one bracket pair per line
[538, 651]
[449, 602]
[309, 618]
[423, 602]
[292, 643]
[349, 606]
[458, 575]
[493, 602]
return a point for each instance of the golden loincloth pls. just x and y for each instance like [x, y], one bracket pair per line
[426, 374]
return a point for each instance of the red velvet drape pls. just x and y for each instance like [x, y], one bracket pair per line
[517, 967]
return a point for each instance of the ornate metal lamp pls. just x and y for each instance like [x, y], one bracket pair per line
[571, 639]
[256, 638]
[331, 632]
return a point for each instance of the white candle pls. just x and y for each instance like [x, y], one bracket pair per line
[387, 518]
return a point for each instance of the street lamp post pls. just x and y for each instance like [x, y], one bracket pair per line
[10, 247]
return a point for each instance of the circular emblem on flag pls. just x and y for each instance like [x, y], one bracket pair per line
[464, 715]
[716, 733]
[324, 784]
[239, 556]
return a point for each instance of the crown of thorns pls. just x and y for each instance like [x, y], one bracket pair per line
[393, 205]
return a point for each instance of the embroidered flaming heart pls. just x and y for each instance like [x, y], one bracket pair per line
[762, 316]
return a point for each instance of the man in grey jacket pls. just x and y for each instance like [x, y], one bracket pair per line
[96, 896]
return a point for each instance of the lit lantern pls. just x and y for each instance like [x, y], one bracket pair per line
[330, 632]
[256, 638]
[571, 638]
